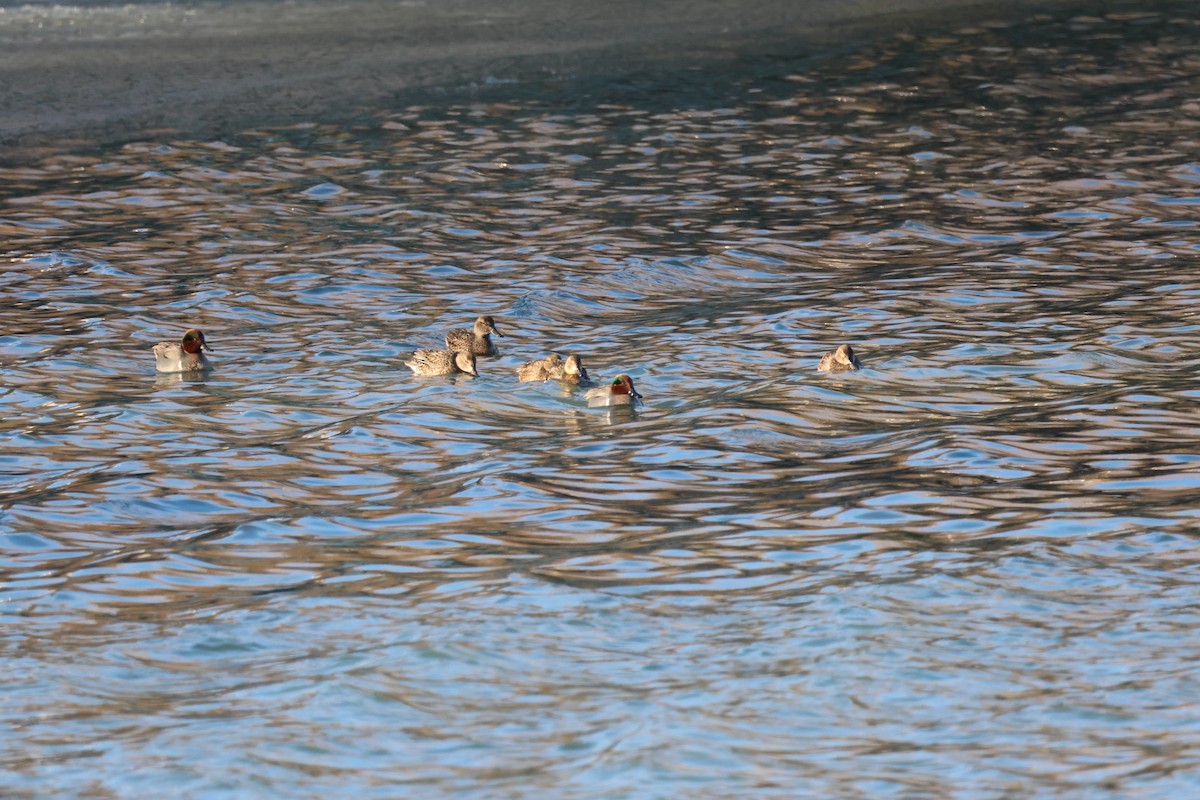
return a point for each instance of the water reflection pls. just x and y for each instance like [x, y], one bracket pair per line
[311, 569]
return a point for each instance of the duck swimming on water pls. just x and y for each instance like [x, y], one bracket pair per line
[619, 392]
[442, 362]
[840, 360]
[552, 367]
[477, 340]
[187, 356]
[573, 371]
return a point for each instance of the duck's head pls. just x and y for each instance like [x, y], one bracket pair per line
[466, 363]
[845, 355]
[575, 367]
[623, 384]
[193, 341]
[486, 325]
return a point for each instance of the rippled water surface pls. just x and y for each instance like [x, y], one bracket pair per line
[967, 571]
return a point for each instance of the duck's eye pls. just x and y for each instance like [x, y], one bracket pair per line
[617, 382]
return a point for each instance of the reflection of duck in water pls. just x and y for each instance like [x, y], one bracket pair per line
[552, 367]
[618, 393]
[478, 340]
[840, 360]
[441, 362]
[163, 380]
[187, 356]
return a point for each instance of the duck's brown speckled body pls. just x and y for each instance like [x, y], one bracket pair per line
[553, 367]
[477, 340]
[840, 360]
[441, 362]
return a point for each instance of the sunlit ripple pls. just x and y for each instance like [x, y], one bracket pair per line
[966, 571]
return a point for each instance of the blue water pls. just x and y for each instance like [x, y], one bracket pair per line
[967, 571]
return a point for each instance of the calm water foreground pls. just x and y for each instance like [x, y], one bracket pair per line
[968, 571]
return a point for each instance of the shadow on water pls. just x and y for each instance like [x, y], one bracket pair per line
[966, 570]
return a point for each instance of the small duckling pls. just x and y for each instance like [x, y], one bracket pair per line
[187, 356]
[477, 340]
[618, 393]
[442, 362]
[840, 360]
[542, 370]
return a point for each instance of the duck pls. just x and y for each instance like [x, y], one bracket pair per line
[619, 392]
[187, 356]
[840, 360]
[553, 367]
[477, 340]
[573, 371]
[542, 370]
[442, 362]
